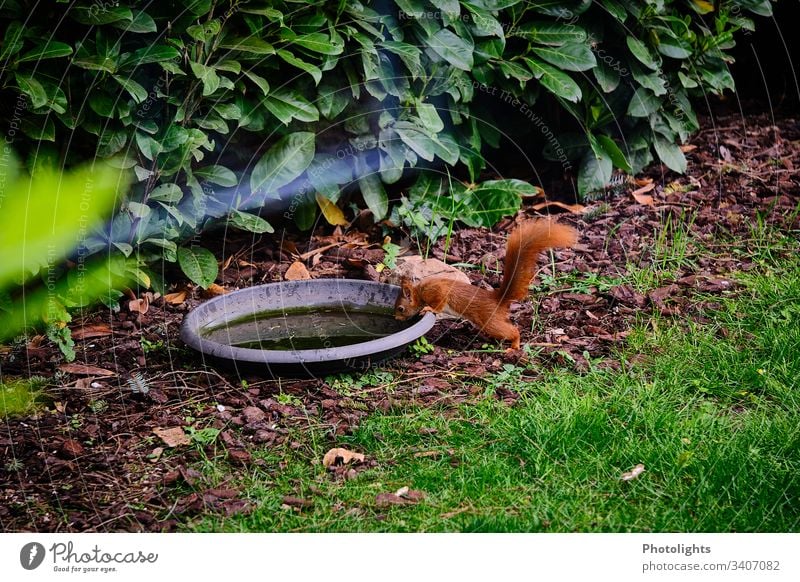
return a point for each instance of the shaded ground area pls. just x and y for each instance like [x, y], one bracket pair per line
[91, 461]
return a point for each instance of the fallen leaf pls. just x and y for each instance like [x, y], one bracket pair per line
[289, 248]
[175, 298]
[85, 370]
[297, 272]
[339, 456]
[141, 305]
[689, 147]
[172, 437]
[332, 213]
[90, 331]
[403, 496]
[298, 502]
[71, 448]
[240, 456]
[640, 196]
[214, 290]
[633, 473]
[573, 208]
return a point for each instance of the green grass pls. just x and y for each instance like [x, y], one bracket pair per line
[20, 397]
[710, 410]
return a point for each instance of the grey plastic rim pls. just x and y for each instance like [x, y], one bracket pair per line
[291, 294]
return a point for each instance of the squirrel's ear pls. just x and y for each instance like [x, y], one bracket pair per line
[405, 285]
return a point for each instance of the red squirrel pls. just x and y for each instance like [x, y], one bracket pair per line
[488, 310]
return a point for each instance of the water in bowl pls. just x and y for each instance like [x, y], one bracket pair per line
[306, 328]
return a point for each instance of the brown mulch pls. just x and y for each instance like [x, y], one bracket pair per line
[108, 452]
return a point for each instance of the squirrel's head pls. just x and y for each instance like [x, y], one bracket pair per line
[404, 306]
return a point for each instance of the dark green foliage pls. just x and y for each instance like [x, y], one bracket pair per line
[224, 107]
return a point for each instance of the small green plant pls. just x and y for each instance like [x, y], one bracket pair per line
[203, 436]
[288, 399]
[149, 347]
[421, 347]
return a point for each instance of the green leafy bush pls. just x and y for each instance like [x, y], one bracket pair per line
[43, 217]
[224, 107]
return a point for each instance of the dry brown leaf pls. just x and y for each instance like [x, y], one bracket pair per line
[633, 473]
[172, 437]
[289, 248]
[214, 290]
[227, 263]
[573, 208]
[641, 197]
[333, 457]
[322, 249]
[141, 305]
[688, 147]
[332, 213]
[85, 370]
[297, 272]
[175, 298]
[90, 331]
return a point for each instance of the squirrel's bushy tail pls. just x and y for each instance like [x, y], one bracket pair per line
[522, 249]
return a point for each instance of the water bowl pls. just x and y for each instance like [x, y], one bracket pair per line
[302, 328]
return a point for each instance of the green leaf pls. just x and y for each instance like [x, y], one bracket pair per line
[430, 117]
[607, 77]
[140, 23]
[39, 127]
[643, 103]
[260, 82]
[135, 90]
[642, 53]
[12, 40]
[415, 8]
[449, 8]
[33, 89]
[284, 162]
[139, 210]
[594, 173]
[156, 53]
[249, 222]
[554, 80]
[199, 265]
[416, 139]
[111, 142]
[374, 194]
[494, 199]
[312, 70]
[100, 14]
[101, 103]
[669, 153]
[452, 48]
[570, 57]
[217, 175]
[50, 50]
[551, 33]
[612, 150]
[207, 75]
[290, 104]
[318, 43]
[168, 193]
[250, 44]
[408, 53]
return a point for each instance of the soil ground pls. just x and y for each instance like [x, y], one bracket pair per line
[89, 460]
